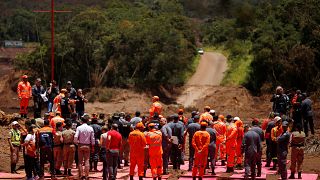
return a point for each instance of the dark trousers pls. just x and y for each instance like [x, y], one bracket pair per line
[191, 156]
[268, 150]
[31, 166]
[176, 156]
[112, 159]
[37, 109]
[282, 163]
[94, 157]
[105, 165]
[297, 117]
[46, 155]
[306, 121]
[274, 152]
[212, 156]
[250, 161]
[165, 156]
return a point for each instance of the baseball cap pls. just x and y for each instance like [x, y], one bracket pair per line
[212, 111]
[285, 123]
[69, 82]
[15, 123]
[236, 118]
[277, 118]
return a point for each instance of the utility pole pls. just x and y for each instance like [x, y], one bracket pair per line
[52, 11]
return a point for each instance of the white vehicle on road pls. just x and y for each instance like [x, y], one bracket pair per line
[200, 51]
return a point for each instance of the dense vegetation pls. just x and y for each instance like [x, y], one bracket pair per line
[148, 43]
[119, 44]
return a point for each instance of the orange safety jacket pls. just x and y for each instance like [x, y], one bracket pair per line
[205, 116]
[54, 121]
[201, 141]
[24, 90]
[220, 128]
[137, 142]
[155, 108]
[154, 140]
[231, 133]
[276, 132]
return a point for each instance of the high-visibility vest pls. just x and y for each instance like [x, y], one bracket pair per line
[15, 137]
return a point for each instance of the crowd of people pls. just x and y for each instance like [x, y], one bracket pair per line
[66, 134]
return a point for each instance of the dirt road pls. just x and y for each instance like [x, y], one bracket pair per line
[209, 73]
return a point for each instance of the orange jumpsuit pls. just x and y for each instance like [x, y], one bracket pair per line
[154, 140]
[155, 108]
[231, 143]
[276, 132]
[137, 142]
[54, 121]
[200, 143]
[240, 136]
[220, 128]
[205, 116]
[24, 93]
[57, 101]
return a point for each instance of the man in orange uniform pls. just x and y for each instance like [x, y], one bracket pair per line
[156, 106]
[200, 143]
[24, 94]
[57, 100]
[240, 130]
[206, 115]
[154, 140]
[182, 118]
[220, 128]
[275, 133]
[56, 119]
[137, 142]
[231, 143]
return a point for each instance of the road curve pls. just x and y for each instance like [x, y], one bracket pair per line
[209, 72]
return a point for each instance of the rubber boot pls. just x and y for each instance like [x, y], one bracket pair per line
[126, 163]
[228, 170]
[159, 178]
[259, 170]
[140, 178]
[299, 175]
[65, 172]
[194, 178]
[154, 178]
[223, 163]
[95, 166]
[12, 168]
[213, 173]
[200, 178]
[231, 169]
[144, 173]
[69, 172]
[131, 177]
[291, 176]
[274, 166]
[58, 172]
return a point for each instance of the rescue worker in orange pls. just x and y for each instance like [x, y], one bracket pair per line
[220, 128]
[24, 94]
[137, 142]
[156, 106]
[240, 130]
[275, 133]
[231, 143]
[56, 119]
[200, 143]
[182, 118]
[206, 115]
[57, 100]
[154, 141]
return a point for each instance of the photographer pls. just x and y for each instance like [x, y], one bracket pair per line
[280, 102]
[52, 92]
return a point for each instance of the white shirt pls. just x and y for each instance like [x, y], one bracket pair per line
[84, 135]
[30, 137]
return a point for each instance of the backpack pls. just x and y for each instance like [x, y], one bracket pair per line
[45, 139]
[31, 149]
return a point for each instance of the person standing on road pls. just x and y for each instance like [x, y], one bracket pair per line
[94, 155]
[103, 151]
[135, 120]
[212, 146]
[31, 154]
[126, 129]
[84, 137]
[283, 143]
[206, 116]
[177, 129]
[280, 102]
[275, 133]
[269, 142]
[239, 154]
[200, 143]
[307, 114]
[80, 100]
[71, 91]
[251, 147]
[191, 130]
[68, 148]
[231, 143]
[166, 144]
[137, 141]
[37, 92]
[14, 140]
[113, 147]
[52, 92]
[220, 128]
[256, 128]
[24, 93]
[57, 148]
[156, 106]
[297, 142]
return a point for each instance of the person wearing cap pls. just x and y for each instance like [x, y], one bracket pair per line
[268, 139]
[251, 147]
[212, 112]
[52, 92]
[113, 146]
[212, 146]
[85, 140]
[256, 128]
[231, 143]
[307, 114]
[240, 130]
[297, 143]
[156, 106]
[220, 128]
[137, 142]
[71, 91]
[166, 143]
[103, 151]
[24, 93]
[191, 130]
[154, 141]
[14, 140]
[200, 143]
[275, 133]
[282, 150]
[37, 91]
[80, 100]
[177, 129]
[206, 115]
[182, 118]
[68, 147]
